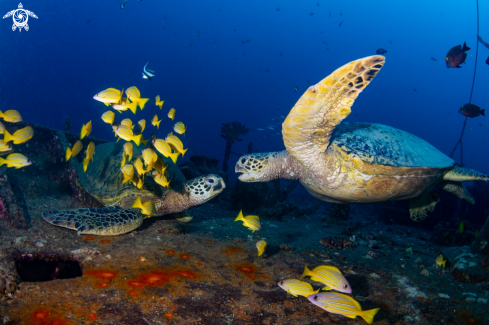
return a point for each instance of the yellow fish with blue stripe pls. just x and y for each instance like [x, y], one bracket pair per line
[109, 96]
[155, 121]
[160, 178]
[260, 245]
[150, 157]
[330, 276]
[338, 303]
[250, 221]
[175, 143]
[297, 287]
[142, 124]
[440, 261]
[86, 130]
[11, 116]
[171, 113]
[108, 117]
[20, 136]
[128, 148]
[135, 96]
[127, 173]
[126, 133]
[159, 102]
[2, 128]
[164, 148]
[4, 147]
[124, 105]
[180, 128]
[16, 160]
[75, 150]
[89, 155]
[147, 208]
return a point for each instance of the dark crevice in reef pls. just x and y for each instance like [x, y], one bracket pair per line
[38, 269]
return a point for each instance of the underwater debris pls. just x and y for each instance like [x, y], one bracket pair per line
[337, 243]
[231, 132]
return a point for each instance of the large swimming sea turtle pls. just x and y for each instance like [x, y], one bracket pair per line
[356, 162]
[103, 180]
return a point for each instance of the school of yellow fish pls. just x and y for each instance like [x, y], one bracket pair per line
[149, 162]
[15, 160]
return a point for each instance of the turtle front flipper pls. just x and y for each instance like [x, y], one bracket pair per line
[307, 129]
[460, 174]
[422, 206]
[458, 189]
[108, 221]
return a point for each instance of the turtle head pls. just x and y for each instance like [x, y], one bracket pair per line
[203, 188]
[256, 167]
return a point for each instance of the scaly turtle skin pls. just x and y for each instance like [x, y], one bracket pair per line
[356, 162]
[103, 180]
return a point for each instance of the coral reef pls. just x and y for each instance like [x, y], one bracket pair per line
[336, 243]
[9, 209]
[231, 132]
[447, 233]
[67, 127]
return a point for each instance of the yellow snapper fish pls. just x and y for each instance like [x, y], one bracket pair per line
[180, 128]
[150, 157]
[135, 96]
[142, 125]
[338, 303]
[20, 136]
[127, 122]
[138, 164]
[160, 166]
[109, 96]
[108, 117]
[160, 179]
[440, 261]
[4, 147]
[2, 128]
[11, 116]
[147, 208]
[16, 160]
[155, 121]
[127, 173]
[330, 276]
[88, 155]
[75, 150]
[250, 221]
[297, 287]
[86, 130]
[159, 102]
[128, 148]
[124, 105]
[171, 113]
[126, 133]
[164, 148]
[175, 143]
[260, 245]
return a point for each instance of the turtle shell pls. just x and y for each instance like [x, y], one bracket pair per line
[379, 144]
[103, 178]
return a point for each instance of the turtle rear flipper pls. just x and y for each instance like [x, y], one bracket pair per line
[422, 206]
[460, 174]
[459, 190]
[108, 221]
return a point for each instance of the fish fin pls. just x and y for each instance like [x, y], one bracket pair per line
[328, 267]
[123, 162]
[137, 139]
[443, 263]
[306, 272]
[174, 157]
[107, 104]
[183, 152]
[483, 112]
[85, 164]
[2, 161]
[368, 315]
[240, 216]
[422, 206]
[458, 66]
[137, 203]
[142, 102]
[326, 288]
[7, 137]
[68, 154]
[317, 291]
[458, 189]
[465, 48]
[133, 107]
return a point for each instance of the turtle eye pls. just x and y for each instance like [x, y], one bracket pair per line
[211, 181]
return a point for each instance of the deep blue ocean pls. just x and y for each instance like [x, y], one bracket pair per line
[219, 61]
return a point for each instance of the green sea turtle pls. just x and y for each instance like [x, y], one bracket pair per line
[355, 162]
[103, 180]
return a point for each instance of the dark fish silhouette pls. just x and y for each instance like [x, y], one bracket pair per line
[415, 90]
[456, 56]
[381, 51]
[123, 5]
[487, 61]
[296, 88]
[482, 41]
[471, 110]
[432, 58]
[390, 41]
[340, 24]
[330, 14]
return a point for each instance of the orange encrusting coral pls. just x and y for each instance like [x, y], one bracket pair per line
[248, 270]
[101, 274]
[185, 256]
[232, 250]
[45, 317]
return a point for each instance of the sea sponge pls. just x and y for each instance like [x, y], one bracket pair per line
[8, 283]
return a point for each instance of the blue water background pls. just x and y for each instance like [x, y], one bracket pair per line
[78, 48]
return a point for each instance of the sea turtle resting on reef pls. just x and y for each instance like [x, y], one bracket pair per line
[103, 180]
[355, 162]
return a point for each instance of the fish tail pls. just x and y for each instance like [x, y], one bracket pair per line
[174, 157]
[183, 152]
[142, 102]
[465, 48]
[158, 124]
[317, 291]
[85, 164]
[368, 315]
[306, 272]
[483, 112]
[133, 107]
[443, 263]
[137, 203]
[1, 114]
[240, 216]
[144, 141]
[68, 154]
[123, 162]
[7, 137]
[137, 139]
[2, 161]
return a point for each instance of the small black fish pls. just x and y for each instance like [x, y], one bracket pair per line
[312, 14]
[471, 110]
[480, 124]
[341, 13]
[340, 24]
[487, 61]
[456, 56]
[432, 58]
[123, 4]
[275, 87]
[330, 14]
[267, 70]
[381, 51]
[390, 41]
[415, 90]
[278, 9]
[318, 4]
[281, 54]
[296, 88]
